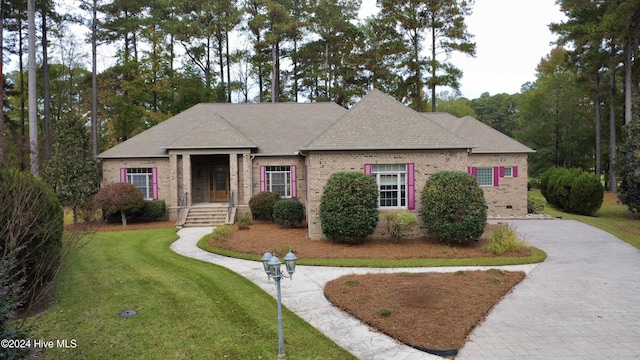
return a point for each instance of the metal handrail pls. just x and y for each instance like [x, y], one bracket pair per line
[230, 208]
[181, 207]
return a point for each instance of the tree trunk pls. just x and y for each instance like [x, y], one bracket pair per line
[94, 79]
[598, 127]
[123, 215]
[628, 72]
[275, 72]
[33, 100]
[45, 85]
[613, 181]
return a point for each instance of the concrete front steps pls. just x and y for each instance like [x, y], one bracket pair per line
[206, 215]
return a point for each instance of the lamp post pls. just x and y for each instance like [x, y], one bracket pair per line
[271, 265]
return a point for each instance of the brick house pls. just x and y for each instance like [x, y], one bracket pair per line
[218, 155]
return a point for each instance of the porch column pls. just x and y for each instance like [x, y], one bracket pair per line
[174, 197]
[233, 176]
[248, 179]
[186, 176]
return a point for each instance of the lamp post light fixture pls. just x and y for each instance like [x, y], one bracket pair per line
[271, 265]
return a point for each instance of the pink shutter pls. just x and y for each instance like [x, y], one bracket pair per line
[474, 171]
[514, 171]
[263, 179]
[501, 171]
[469, 170]
[411, 186]
[306, 183]
[496, 176]
[368, 169]
[123, 175]
[154, 183]
[294, 181]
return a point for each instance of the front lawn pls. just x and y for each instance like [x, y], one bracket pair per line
[185, 308]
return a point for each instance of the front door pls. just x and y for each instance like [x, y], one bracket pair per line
[219, 184]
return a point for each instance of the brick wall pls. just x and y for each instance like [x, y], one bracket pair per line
[507, 199]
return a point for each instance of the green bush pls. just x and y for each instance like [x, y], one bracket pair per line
[453, 207]
[399, 223]
[349, 207]
[505, 239]
[221, 232]
[586, 196]
[10, 289]
[152, 210]
[261, 205]
[31, 231]
[119, 197]
[244, 222]
[288, 212]
[563, 186]
[535, 205]
[573, 190]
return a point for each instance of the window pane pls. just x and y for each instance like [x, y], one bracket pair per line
[508, 172]
[141, 179]
[485, 176]
[279, 180]
[392, 183]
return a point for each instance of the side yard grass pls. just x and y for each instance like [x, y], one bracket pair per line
[613, 217]
[185, 308]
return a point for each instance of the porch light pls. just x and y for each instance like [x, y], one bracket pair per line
[271, 266]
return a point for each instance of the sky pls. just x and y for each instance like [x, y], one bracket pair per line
[511, 36]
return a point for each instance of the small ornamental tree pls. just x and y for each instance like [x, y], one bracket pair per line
[71, 170]
[453, 207]
[120, 197]
[628, 165]
[349, 207]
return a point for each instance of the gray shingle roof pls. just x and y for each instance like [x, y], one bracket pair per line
[272, 129]
[485, 138]
[379, 122]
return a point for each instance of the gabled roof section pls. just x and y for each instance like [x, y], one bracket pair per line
[194, 128]
[267, 128]
[487, 139]
[379, 122]
[281, 128]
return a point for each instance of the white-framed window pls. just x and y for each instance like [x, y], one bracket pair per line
[508, 171]
[485, 176]
[392, 185]
[142, 178]
[278, 180]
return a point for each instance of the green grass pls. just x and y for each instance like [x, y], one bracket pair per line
[537, 256]
[613, 217]
[186, 308]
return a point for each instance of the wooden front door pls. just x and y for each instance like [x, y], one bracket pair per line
[219, 184]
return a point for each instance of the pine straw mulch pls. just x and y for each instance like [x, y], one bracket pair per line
[429, 311]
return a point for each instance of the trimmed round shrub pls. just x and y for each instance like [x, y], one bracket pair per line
[453, 207]
[562, 187]
[261, 205]
[587, 194]
[349, 207]
[31, 231]
[288, 212]
[119, 197]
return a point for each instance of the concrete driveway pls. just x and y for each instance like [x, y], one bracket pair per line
[583, 302]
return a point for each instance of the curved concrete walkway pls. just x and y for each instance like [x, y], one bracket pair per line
[578, 304]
